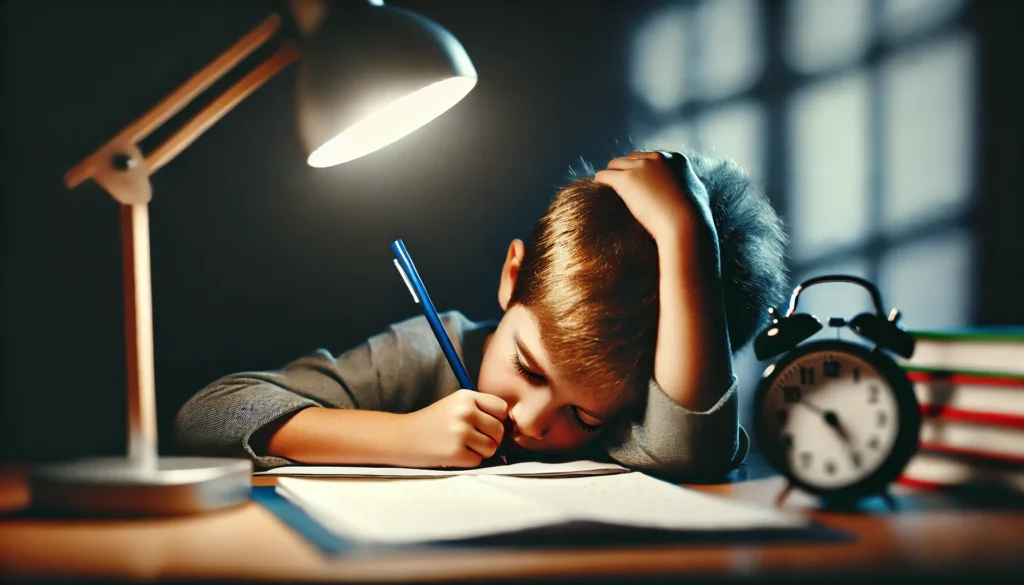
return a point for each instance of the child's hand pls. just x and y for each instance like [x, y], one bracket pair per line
[648, 185]
[460, 430]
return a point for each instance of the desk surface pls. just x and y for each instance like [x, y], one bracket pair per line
[931, 536]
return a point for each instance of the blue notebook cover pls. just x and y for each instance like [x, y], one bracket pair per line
[581, 534]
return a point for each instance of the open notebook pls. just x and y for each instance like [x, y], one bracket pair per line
[523, 469]
[475, 508]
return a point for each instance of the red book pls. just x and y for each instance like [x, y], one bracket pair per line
[938, 470]
[973, 439]
[982, 397]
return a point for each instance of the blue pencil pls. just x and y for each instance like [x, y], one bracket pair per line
[419, 294]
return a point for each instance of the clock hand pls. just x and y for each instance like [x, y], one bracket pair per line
[812, 407]
[831, 419]
[827, 414]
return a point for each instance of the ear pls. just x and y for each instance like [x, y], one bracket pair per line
[509, 272]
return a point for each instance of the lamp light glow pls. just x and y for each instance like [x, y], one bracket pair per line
[372, 74]
[368, 75]
[389, 123]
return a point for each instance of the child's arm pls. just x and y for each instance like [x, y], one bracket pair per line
[390, 401]
[690, 421]
[460, 430]
[692, 362]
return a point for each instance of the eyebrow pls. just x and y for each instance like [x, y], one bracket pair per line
[529, 356]
[521, 347]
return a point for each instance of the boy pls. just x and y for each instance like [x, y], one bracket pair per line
[621, 314]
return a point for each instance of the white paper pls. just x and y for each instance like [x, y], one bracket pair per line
[468, 506]
[398, 512]
[635, 499]
[524, 469]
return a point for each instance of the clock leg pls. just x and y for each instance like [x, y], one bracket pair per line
[783, 494]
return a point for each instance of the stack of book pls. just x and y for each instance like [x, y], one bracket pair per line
[970, 385]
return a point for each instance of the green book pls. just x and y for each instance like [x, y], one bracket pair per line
[996, 351]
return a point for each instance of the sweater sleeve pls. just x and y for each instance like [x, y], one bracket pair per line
[399, 370]
[666, 439]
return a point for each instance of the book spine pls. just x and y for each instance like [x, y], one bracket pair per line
[1009, 333]
[916, 374]
[974, 456]
[957, 471]
[996, 419]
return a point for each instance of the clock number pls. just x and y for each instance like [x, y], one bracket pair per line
[787, 442]
[830, 467]
[830, 369]
[806, 375]
[882, 419]
[856, 375]
[873, 443]
[855, 457]
[805, 459]
[873, 394]
[791, 394]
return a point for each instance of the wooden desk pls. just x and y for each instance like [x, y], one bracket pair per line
[932, 538]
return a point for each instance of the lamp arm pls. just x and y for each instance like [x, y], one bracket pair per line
[174, 102]
[118, 167]
[224, 103]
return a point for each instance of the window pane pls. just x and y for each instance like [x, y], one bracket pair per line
[901, 17]
[731, 53]
[735, 132]
[824, 34]
[672, 137]
[833, 299]
[828, 168]
[658, 74]
[929, 134]
[931, 281]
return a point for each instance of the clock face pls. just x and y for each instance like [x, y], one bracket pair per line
[830, 418]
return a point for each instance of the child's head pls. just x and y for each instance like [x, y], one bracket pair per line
[576, 345]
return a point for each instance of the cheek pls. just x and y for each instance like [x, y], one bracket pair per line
[565, 436]
[495, 380]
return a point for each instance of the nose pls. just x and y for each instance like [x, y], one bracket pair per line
[532, 414]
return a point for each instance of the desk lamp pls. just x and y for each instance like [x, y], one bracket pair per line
[368, 75]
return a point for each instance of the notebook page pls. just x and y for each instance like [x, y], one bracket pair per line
[523, 469]
[400, 512]
[635, 499]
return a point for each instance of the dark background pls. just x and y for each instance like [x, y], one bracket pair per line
[258, 259]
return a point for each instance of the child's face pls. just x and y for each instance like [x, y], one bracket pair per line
[545, 412]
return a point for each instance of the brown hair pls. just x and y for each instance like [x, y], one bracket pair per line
[590, 277]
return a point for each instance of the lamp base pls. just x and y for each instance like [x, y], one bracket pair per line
[119, 486]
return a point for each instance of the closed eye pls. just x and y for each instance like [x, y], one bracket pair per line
[577, 417]
[527, 374]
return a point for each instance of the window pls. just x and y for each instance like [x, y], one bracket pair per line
[857, 117]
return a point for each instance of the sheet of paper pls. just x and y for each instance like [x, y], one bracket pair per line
[635, 499]
[402, 512]
[468, 506]
[524, 469]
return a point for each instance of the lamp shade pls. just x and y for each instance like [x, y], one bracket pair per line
[371, 74]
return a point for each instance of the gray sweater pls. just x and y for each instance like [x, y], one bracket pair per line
[403, 369]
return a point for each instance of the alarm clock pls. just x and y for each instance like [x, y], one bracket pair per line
[838, 419]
